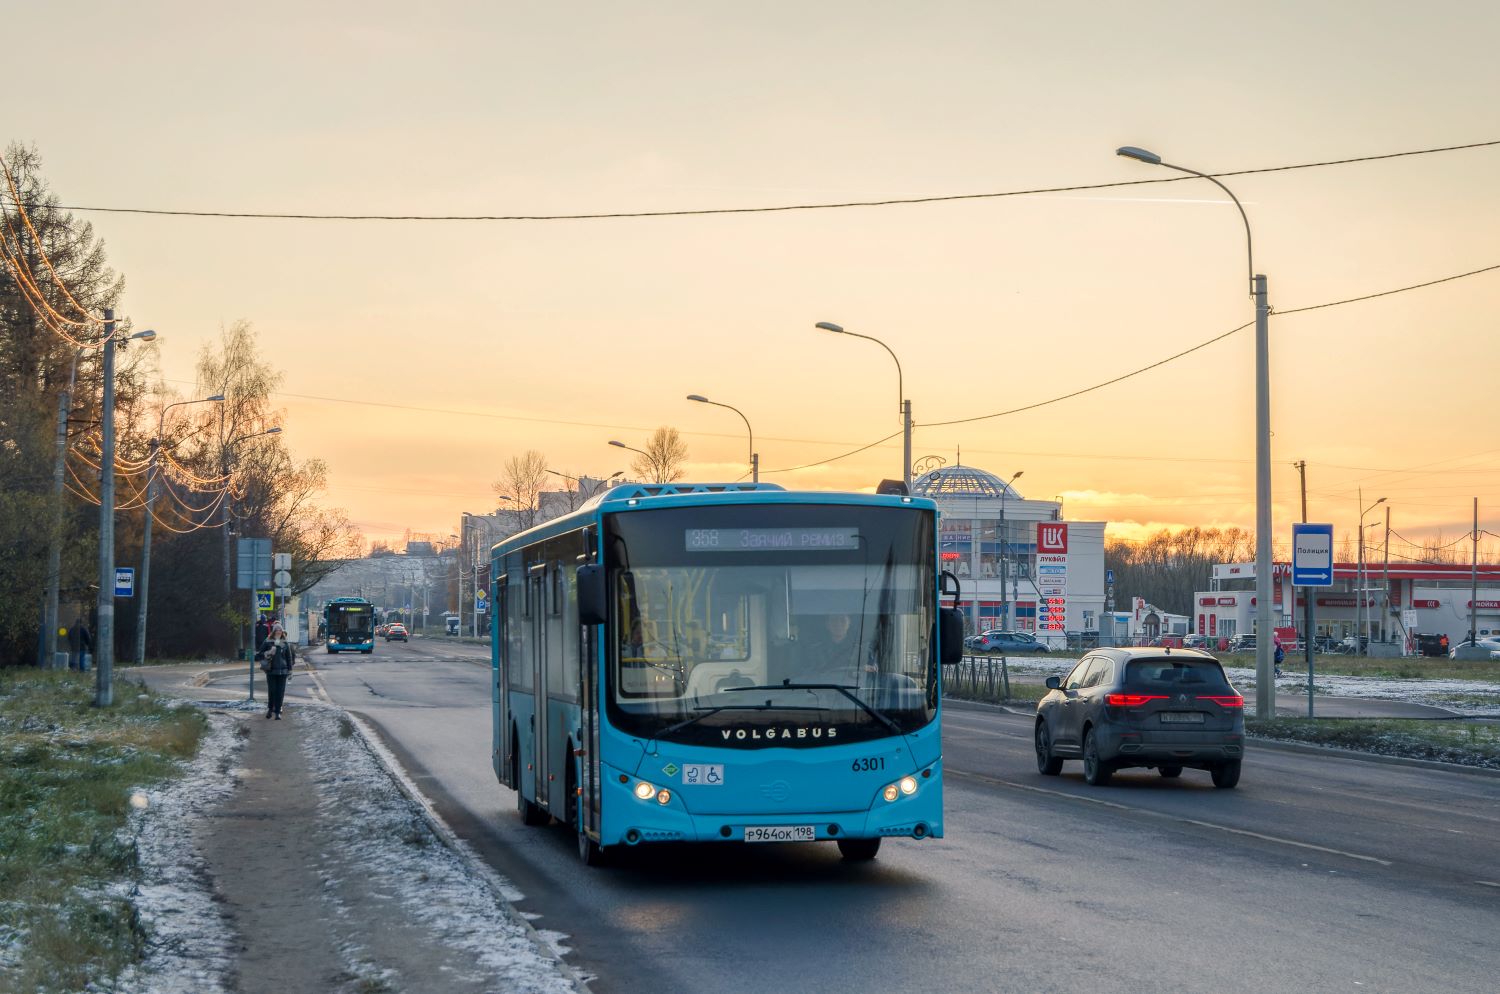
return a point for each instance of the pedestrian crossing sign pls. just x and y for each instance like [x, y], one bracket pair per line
[265, 600]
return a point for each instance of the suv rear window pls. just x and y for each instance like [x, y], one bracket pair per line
[1169, 674]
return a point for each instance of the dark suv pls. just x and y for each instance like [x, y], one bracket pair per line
[1163, 709]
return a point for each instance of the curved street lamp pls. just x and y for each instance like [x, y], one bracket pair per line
[104, 634]
[1361, 613]
[903, 405]
[143, 586]
[754, 456]
[1265, 665]
[1005, 605]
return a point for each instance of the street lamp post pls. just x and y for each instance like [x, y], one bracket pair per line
[1360, 614]
[632, 448]
[143, 585]
[225, 512]
[1005, 605]
[104, 633]
[754, 456]
[1265, 665]
[903, 403]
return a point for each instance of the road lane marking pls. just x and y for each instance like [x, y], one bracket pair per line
[1487, 883]
[1278, 840]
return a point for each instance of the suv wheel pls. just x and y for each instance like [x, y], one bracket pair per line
[1169, 772]
[1226, 775]
[1096, 772]
[1047, 764]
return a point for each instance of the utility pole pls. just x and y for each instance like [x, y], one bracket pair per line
[104, 633]
[1385, 579]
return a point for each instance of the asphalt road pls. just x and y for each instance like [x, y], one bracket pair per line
[1316, 874]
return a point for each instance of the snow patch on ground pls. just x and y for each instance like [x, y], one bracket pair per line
[1455, 695]
[444, 889]
[190, 949]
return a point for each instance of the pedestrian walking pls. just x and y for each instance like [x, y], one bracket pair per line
[277, 657]
[1280, 654]
[262, 630]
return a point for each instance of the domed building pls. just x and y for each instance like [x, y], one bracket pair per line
[1020, 566]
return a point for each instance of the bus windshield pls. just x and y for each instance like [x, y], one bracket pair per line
[771, 625]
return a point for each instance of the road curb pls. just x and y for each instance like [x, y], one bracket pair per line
[455, 845]
[1280, 745]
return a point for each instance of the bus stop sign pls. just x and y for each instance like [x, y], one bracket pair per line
[1312, 555]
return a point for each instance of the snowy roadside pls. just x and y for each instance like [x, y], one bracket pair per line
[190, 947]
[382, 834]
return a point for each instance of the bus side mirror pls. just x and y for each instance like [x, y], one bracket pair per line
[951, 636]
[592, 609]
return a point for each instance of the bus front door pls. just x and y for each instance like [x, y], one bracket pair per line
[541, 762]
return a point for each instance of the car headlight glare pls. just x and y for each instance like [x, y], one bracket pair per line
[644, 790]
[908, 785]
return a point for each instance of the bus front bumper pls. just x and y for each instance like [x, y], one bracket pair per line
[630, 819]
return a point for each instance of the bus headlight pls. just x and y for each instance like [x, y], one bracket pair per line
[644, 790]
[906, 785]
[664, 796]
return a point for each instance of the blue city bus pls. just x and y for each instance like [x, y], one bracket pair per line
[724, 662]
[349, 624]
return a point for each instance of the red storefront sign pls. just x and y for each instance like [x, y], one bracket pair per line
[1484, 605]
[1206, 602]
[1202, 628]
[1424, 603]
[1343, 602]
[1213, 623]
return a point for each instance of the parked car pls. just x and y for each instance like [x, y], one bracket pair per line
[1242, 643]
[395, 632]
[1491, 643]
[1013, 643]
[1141, 707]
[1430, 644]
[1195, 641]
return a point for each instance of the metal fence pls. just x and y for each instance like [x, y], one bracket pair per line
[978, 678]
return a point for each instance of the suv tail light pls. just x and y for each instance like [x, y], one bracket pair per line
[1132, 700]
[1233, 701]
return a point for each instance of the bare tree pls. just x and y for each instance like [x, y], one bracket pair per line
[525, 476]
[662, 459]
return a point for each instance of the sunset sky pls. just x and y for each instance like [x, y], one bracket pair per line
[419, 356]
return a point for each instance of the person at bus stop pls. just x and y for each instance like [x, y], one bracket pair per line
[1280, 653]
[278, 658]
[83, 644]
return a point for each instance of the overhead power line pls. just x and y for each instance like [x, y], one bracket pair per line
[779, 208]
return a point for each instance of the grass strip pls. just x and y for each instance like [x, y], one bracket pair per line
[67, 771]
[1470, 743]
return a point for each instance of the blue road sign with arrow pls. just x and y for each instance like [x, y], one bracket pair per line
[1312, 555]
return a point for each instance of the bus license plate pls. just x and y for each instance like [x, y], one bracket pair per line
[1183, 717]
[780, 833]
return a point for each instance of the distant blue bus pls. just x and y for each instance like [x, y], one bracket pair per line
[349, 625]
[724, 662]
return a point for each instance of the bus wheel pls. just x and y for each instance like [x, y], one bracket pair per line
[858, 850]
[589, 851]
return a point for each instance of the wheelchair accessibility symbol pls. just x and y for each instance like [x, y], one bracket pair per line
[706, 774]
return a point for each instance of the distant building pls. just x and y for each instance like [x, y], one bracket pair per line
[420, 549]
[1019, 565]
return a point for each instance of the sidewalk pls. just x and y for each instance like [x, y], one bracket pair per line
[328, 877]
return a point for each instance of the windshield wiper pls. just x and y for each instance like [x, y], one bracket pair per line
[712, 709]
[844, 689]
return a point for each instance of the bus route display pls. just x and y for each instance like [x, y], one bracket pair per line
[771, 539]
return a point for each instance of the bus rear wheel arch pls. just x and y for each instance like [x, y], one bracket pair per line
[531, 814]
